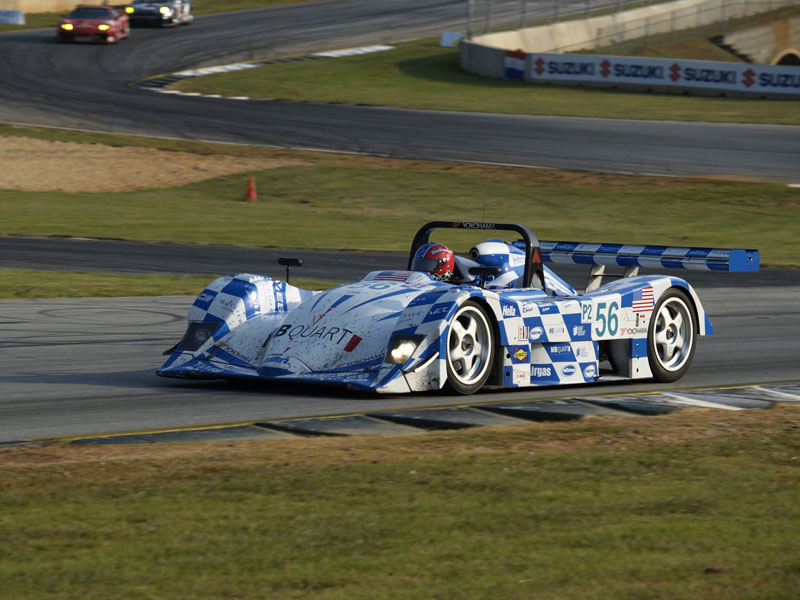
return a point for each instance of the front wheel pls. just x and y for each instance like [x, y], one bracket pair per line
[672, 336]
[470, 349]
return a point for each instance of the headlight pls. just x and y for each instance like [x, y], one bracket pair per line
[66, 26]
[196, 335]
[129, 10]
[104, 27]
[402, 347]
[165, 10]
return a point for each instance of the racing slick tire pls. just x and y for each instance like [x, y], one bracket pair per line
[672, 336]
[470, 349]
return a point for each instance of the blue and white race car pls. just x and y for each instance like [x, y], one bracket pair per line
[504, 319]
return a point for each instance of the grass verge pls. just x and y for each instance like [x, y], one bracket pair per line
[698, 504]
[421, 75]
[361, 203]
[26, 283]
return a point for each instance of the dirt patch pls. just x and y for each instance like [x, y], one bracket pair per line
[36, 165]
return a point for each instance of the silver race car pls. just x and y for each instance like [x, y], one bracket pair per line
[497, 316]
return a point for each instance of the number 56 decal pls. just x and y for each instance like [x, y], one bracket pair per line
[606, 319]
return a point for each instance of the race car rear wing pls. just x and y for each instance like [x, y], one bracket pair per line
[598, 256]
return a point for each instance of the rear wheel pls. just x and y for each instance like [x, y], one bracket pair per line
[672, 336]
[470, 349]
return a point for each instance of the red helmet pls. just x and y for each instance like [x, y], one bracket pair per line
[436, 259]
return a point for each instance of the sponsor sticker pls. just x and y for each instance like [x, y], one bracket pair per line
[439, 310]
[633, 331]
[560, 349]
[472, 225]
[541, 372]
[548, 308]
[519, 355]
[334, 334]
[281, 360]
[318, 316]
[358, 377]
[351, 345]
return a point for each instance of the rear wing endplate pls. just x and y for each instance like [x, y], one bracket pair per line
[631, 257]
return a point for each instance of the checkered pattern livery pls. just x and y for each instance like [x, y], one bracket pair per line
[236, 298]
[267, 329]
[658, 257]
[341, 336]
[228, 302]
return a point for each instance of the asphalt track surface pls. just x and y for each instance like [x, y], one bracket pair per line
[84, 366]
[88, 86]
[87, 365]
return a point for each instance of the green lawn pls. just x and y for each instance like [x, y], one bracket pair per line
[700, 504]
[421, 75]
[27, 283]
[363, 204]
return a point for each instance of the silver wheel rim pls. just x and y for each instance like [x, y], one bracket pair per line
[469, 345]
[674, 334]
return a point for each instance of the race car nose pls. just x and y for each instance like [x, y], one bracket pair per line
[275, 366]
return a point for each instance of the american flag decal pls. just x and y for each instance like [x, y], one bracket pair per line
[643, 300]
[391, 276]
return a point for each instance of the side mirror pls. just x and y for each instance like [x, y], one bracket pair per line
[485, 272]
[289, 262]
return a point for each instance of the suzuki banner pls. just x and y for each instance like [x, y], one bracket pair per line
[615, 70]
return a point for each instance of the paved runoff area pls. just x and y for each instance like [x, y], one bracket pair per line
[394, 422]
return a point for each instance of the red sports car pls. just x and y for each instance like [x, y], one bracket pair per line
[93, 24]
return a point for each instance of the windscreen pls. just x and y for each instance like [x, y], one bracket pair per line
[90, 13]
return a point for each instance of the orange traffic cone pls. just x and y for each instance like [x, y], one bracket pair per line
[251, 195]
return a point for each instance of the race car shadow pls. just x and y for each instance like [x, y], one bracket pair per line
[127, 379]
